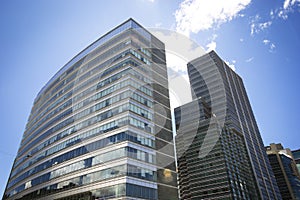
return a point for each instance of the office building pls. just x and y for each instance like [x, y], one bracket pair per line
[224, 172]
[296, 155]
[97, 128]
[220, 152]
[285, 171]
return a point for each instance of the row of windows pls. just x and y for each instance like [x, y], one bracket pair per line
[99, 159]
[140, 57]
[53, 121]
[61, 99]
[91, 51]
[103, 158]
[102, 84]
[117, 47]
[108, 71]
[38, 124]
[101, 66]
[44, 109]
[115, 191]
[94, 62]
[112, 78]
[98, 118]
[50, 115]
[145, 51]
[138, 97]
[101, 129]
[100, 105]
[135, 96]
[92, 161]
[71, 141]
[97, 96]
[123, 84]
[239, 172]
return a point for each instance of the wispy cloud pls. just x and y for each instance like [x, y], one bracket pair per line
[158, 24]
[270, 44]
[197, 15]
[286, 4]
[290, 3]
[272, 47]
[266, 41]
[272, 14]
[264, 25]
[283, 12]
[211, 46]
[249, 59]
[257, 26]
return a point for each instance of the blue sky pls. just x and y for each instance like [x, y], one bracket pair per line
[261, 39]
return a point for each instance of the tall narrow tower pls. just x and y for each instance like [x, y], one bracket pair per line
[97, 129]
[221, 153]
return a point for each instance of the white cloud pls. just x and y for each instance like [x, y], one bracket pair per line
[272, 47]
[287, 7]
[266, 41]
[264, 25]
[257, 27]
[158, 24]
[214, 36]
[249, 59]
[252, 26]
[211, 46]
[290, 3]
[232, 66]
[283, 14]
[270, 44]
[197, 15]
[272, 14]
[176, 62]
[241, 39]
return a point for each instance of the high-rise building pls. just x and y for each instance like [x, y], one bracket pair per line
[285, 171]
[224, 172]
[220, 152]
[97, 129]
[296, 154]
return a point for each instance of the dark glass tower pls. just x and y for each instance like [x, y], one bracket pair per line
[224, 172]
[296, 154]
[220, 152]
[285, 171]
[98, 127]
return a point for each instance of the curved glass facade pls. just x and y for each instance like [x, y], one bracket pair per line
[95, 131]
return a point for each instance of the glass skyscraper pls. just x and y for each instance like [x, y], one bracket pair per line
[219, 148]
[285, 171]
[97, 129]
[296, 154]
